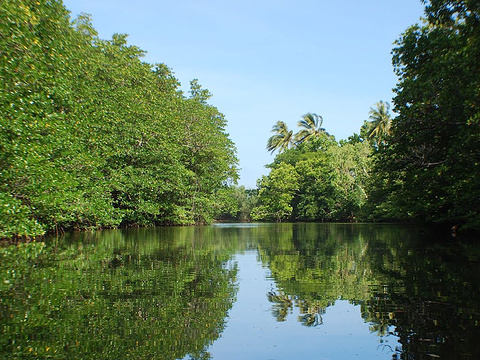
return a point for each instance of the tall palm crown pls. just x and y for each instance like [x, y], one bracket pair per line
[282, 139]
[311, 125]
[381, 122]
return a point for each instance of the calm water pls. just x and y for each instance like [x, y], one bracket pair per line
[244, 291]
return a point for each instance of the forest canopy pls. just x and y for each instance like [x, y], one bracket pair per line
[420, 164]
[91, 136]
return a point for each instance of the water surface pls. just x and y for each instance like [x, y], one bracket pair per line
[242, 291]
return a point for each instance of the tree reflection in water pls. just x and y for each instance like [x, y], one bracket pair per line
[160, 294]
[283, 304]
[165, 293]
[408, 282]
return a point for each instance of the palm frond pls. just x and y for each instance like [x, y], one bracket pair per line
[311, 126]
[381, 121]
[282, 139]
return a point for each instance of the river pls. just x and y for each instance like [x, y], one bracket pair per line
[242, 291]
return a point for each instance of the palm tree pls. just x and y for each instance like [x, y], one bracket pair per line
[282, 139]
[311, 125]
[381, 122]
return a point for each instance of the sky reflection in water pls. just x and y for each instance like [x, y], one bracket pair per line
[252, 332]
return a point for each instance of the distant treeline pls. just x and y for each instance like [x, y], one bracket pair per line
[91, 136]
[421, 165]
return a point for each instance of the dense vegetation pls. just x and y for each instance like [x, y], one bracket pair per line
[431, 167]
[91, 136]
[316, 180]
[421, 165]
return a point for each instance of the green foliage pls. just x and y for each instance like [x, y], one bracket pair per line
[282, 139]
[236, 203]
[16, 220]
[276, 192]
[91, 136]
[381, 123]
[426, 160]
[429, 169]
[329, 182]
[310, 127]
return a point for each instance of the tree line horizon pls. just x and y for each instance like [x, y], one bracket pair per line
[93, 137]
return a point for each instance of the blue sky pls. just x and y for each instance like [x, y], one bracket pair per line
[268, 60]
